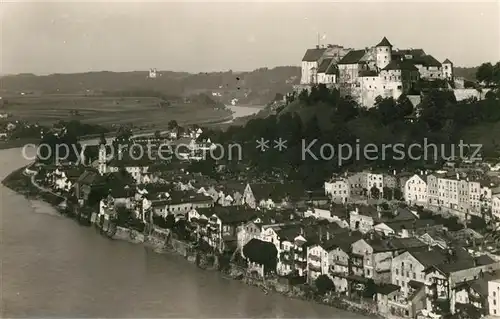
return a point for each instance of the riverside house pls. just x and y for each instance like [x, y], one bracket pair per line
[290, 243]
[179, 203]
[219, 226]
[443, 280]
[372, 257]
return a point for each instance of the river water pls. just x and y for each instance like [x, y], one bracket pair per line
[240, 111]
[52, 267]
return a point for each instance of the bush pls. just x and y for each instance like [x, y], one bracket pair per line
[476, 223]
[262, 253]
[324, 284]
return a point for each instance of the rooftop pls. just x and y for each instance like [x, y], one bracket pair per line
[400, 65]
[352, 57]
[384, 43]
[324, 65]
[313, 55]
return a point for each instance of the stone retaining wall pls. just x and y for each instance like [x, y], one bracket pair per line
[129, 235]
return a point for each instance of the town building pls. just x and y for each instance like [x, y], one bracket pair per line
[338, 189]
[416, 190]
[442, 279]
[494, 296]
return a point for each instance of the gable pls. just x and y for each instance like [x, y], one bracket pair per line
[317, 248]
[405, 256]
[361, 246]
[384, 228]
[339, 251]
[301, 238]
[270, 233]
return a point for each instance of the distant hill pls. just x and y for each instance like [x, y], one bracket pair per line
[255, 87]
[467, 73]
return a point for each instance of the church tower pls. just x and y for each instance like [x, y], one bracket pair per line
[384, 53]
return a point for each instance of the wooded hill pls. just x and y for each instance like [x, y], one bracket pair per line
[255, 87]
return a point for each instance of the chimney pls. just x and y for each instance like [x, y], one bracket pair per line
[429, 247]
[458, 176]
[320, 233]
[302, 231]
[327, 235]
[372, 236]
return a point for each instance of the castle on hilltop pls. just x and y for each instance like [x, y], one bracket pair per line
[371, 72]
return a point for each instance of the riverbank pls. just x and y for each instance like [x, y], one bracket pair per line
[161, 241]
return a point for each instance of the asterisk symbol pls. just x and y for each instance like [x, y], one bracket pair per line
[262, 144]
[280, 144]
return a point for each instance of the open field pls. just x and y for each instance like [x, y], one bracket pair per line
[106, 111]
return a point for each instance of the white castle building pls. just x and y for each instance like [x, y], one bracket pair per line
[371, 72]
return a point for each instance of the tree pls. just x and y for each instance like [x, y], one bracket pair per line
[388, 193]
[375, 192]
[169, 221]
[262, 253]
[477, 223]
[304, 96]
[124, 216]
[157, 134]
[97, 193]
[324, 284]
[370, 289]
[398, 194]
[485, 73]
[172, 125]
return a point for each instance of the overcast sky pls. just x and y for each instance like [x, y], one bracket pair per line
[55, 37]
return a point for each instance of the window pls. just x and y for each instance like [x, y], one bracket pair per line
[414, 276]
[397, 272]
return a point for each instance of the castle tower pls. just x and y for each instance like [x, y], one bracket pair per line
[102, 159]
[447, 69]
[384, 53]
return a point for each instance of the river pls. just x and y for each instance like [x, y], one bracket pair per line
[240, 111]
[52, 267]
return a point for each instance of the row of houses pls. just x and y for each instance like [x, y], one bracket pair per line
[415, 263]
[413, 272]
[457, 191]
[342, 188]
[466, 192]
